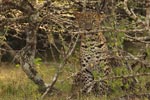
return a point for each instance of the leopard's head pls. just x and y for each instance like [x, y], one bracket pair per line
[88, 20]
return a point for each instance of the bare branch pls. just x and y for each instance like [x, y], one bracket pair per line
[11, 5]
[22, 19]
[137, 96]
[125, 76]
[131, 13]
[59, 68]
[139, 39]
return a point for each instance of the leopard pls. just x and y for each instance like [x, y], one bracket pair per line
[93, 48]
[93, 52]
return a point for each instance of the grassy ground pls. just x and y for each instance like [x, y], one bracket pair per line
[14, 84]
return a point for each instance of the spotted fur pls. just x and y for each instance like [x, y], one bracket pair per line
[92, 50]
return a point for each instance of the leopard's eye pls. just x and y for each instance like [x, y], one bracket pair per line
[101, 12]
[93, 21]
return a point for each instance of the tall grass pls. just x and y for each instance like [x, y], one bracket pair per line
[15, 85]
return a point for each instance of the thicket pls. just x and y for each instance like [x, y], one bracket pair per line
[35, 31]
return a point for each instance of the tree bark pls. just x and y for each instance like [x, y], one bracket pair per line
[147, 13]
[27, 55]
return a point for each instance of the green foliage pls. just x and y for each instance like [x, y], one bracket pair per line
[38, 61]
[2, 39]
[17, 65]
[14, 84]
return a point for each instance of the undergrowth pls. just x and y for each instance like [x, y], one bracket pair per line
[15, 85]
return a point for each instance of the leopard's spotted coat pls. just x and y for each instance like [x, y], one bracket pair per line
[92, 51]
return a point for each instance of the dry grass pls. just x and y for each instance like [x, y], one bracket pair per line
[15, 85]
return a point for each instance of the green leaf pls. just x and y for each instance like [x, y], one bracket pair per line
[17, 65]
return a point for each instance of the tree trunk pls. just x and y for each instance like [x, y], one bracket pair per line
[27, 56]
[147, 13]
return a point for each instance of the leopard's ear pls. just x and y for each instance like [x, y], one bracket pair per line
[101, 16]
[77, 15]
